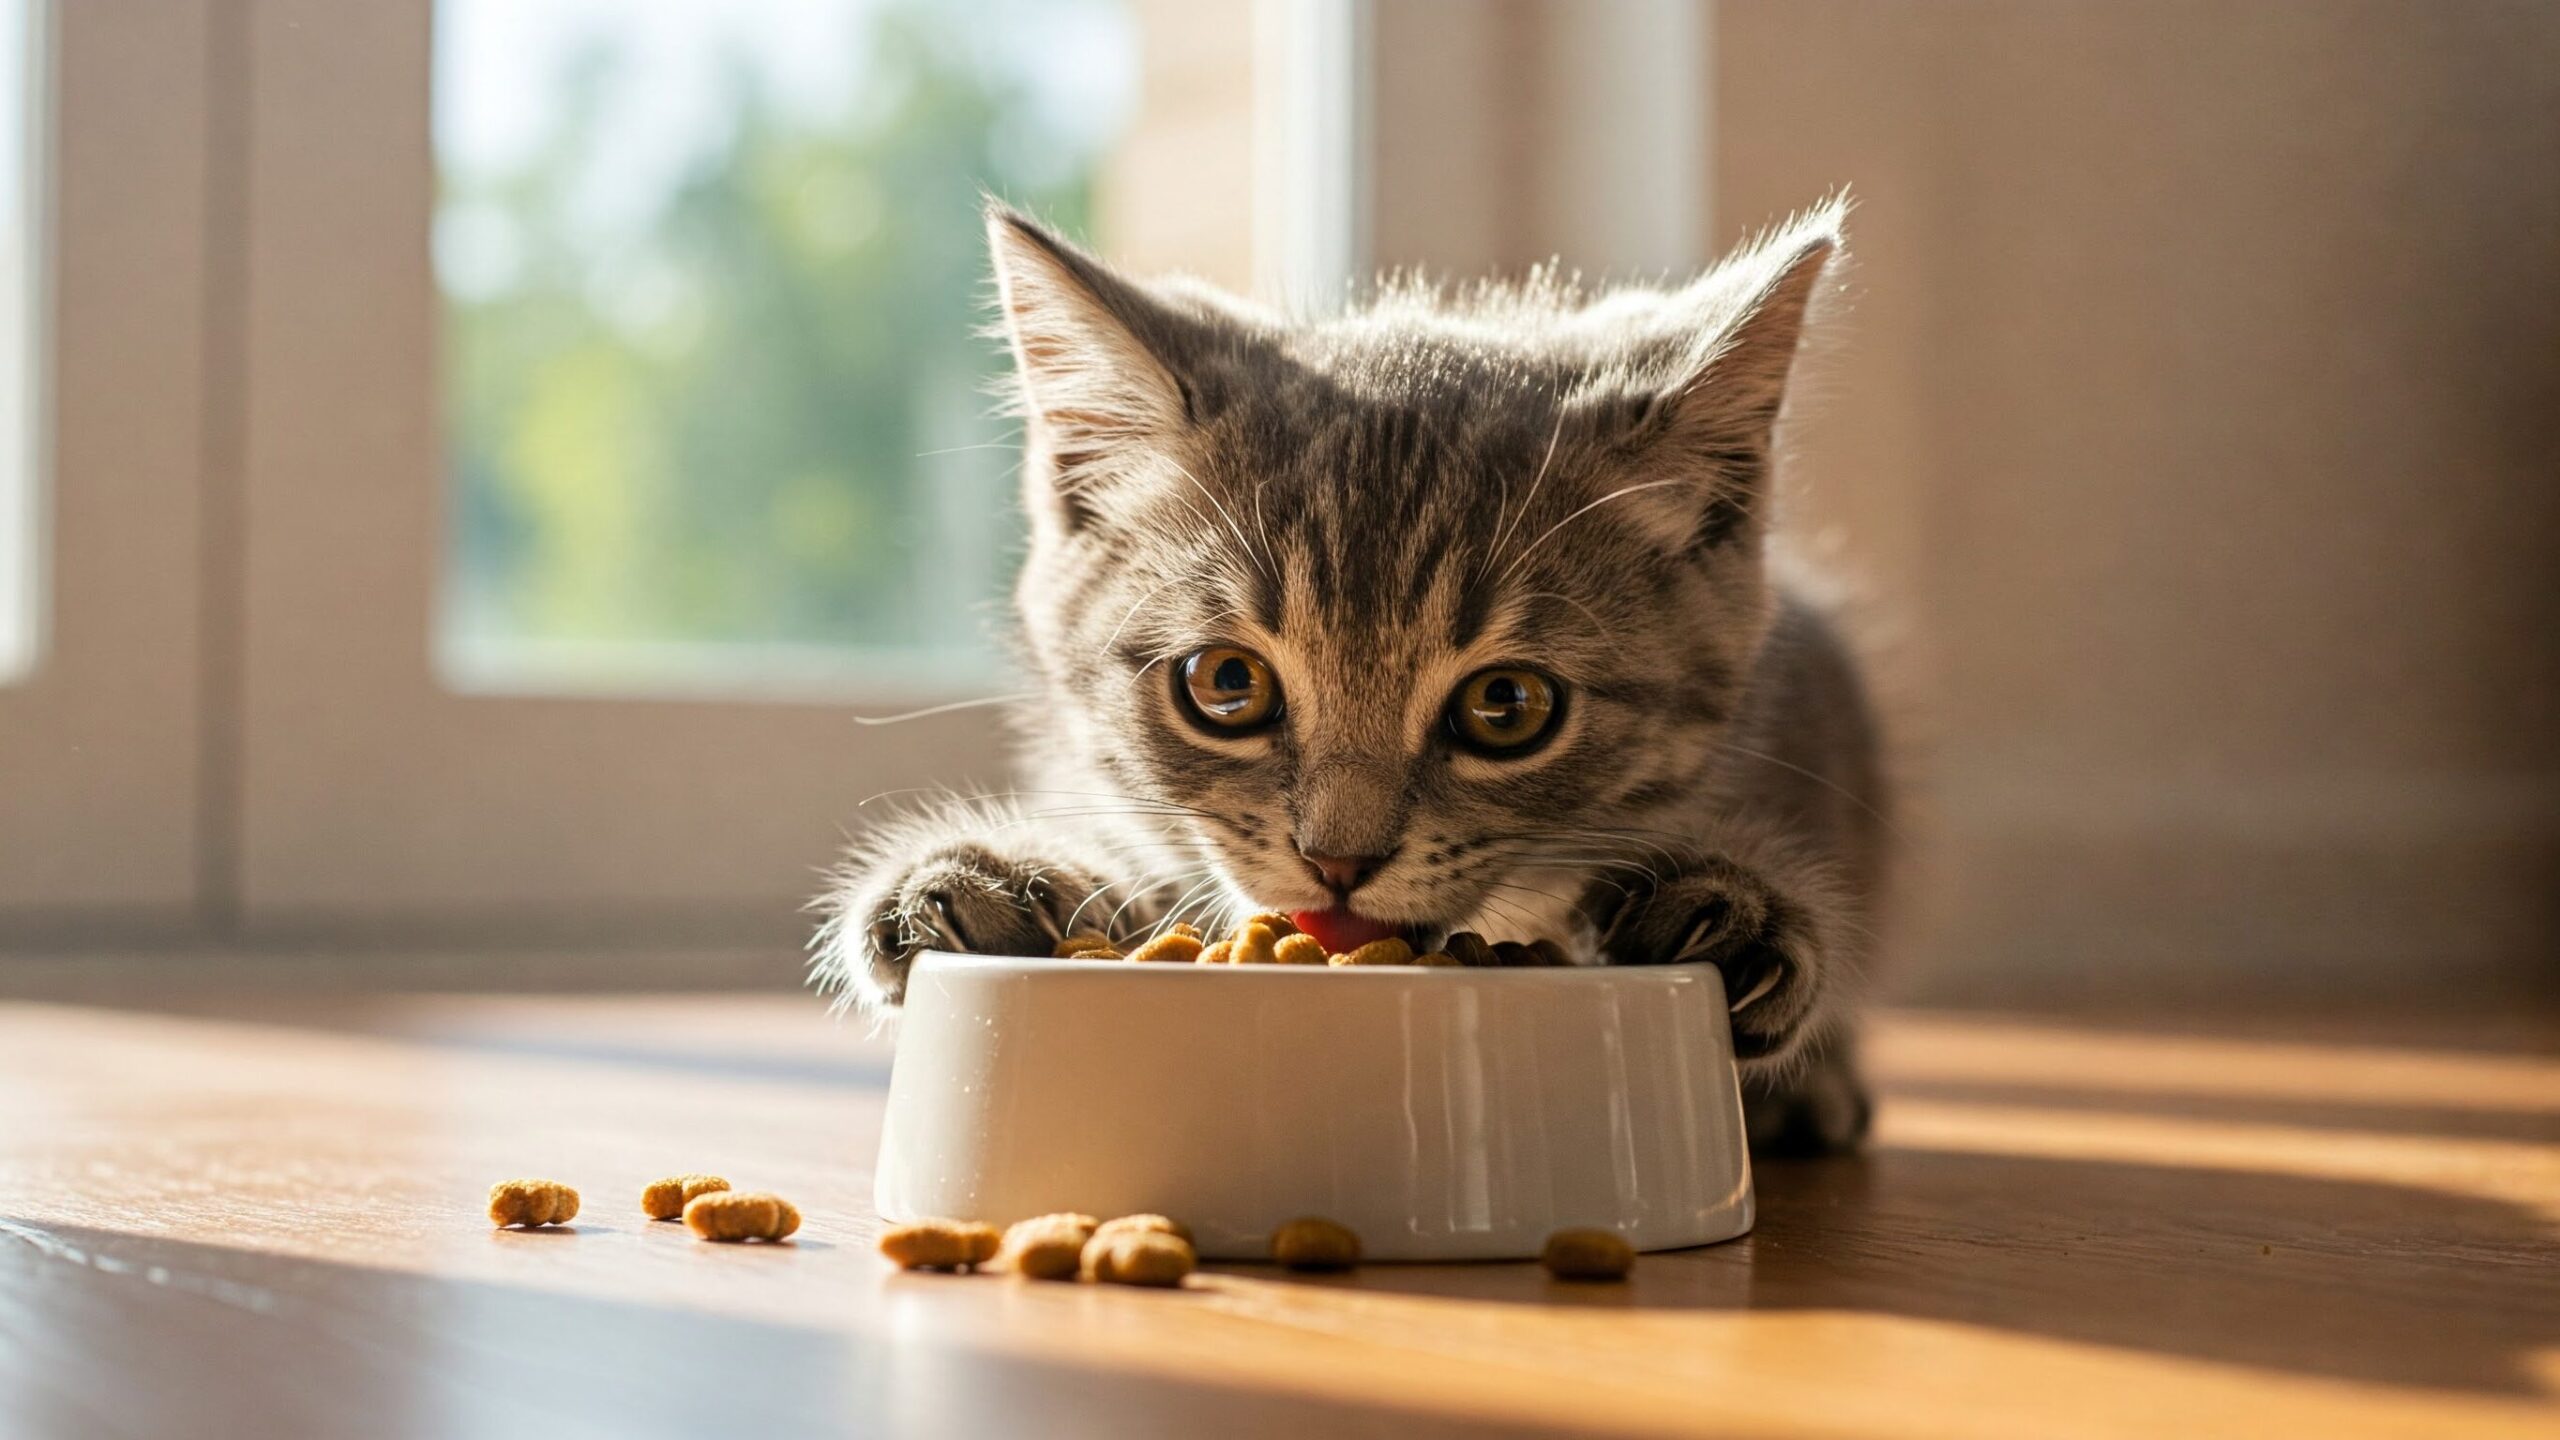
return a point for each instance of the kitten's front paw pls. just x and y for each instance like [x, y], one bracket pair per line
[961, 896]
[1716, 911]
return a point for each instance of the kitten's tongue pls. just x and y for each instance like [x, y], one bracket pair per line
[1338, 930]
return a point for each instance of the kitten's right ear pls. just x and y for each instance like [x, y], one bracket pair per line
[1096, 356]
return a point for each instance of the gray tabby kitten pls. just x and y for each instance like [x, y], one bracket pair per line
[1447, 613]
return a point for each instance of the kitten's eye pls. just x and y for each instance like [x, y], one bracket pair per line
[1230, 689]
[1505, 710]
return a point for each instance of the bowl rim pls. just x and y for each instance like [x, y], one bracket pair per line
[1688, 972]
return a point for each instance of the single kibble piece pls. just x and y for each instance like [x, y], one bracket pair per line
[1170, 949]
[1435, 957]
[1315, 1243]
[1468, 948]
[1588, 1255]
[1046, 1247]
[1299, 950]
[1512, 955]
[941, 1244]
[1219, 954]
[1145, 1225]
[1390, 951]
[1075, 1220]
[666, 1199]
[1185, 927]
[1279, 925]
[1549, 952]
[531, 1202]
[729, 1215]
[1138, 1257]
[1254, 944]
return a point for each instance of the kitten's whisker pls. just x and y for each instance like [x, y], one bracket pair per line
[1617, 850]
[1822, 780]
[1268, 565]
[1261, 527]
[1529, 890]
[1195, 897]
[1114, 638]
[1519, 919]
[1630, 838]
[1511, 519]
[1112, 925]
[929, 710]
[1523, 557]
[1594, 615]
[1108, 795]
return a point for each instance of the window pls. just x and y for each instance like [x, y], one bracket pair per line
[21, 329]
[717, 413]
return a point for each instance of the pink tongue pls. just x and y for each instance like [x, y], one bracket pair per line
[1339, 930]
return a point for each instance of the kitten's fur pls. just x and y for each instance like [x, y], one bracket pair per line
[1381, 504]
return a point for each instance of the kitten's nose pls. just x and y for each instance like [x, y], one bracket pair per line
[1344, 873]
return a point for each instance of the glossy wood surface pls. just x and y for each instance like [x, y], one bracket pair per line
[266, 1220]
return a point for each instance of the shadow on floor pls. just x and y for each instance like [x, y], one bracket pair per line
[104, 1334]
[2436, 1121]
[2321, 1277]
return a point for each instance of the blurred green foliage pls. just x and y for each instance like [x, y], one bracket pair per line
[763, 415]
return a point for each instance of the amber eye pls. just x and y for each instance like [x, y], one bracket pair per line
[1504, 711]
[1229, 689]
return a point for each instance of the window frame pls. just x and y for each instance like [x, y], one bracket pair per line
[103, 740]
[368, 786]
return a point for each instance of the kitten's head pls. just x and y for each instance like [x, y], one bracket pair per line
[1416, 613]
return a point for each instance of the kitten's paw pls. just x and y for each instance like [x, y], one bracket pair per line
[959, 896]
[1821, 1110]
[1716, 911]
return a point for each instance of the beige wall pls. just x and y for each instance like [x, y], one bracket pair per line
[2193, 428]
[2199, 407]
[1178, 194]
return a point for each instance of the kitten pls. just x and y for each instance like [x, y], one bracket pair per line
[1447, 613]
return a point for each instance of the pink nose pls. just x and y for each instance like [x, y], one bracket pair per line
[1344, 873]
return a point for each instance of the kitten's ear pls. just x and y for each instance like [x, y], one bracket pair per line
[1097, 357]
[1718, 377]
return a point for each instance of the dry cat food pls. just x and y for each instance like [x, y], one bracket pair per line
[1138, 1257]
[730, 1215]
[1390, 951]
[1588, 1255]
[1047, 1247]
[1271, 938]
[1171, 947]
[666, 1199]
[941, 1244]
[1254, 943]
[531, 1202]
[1315, 1243]
[1145, 1225]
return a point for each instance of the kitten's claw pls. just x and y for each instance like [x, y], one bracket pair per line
[1716, 911]
[961, 896]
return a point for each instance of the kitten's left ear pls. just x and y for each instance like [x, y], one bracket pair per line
[1719, 377]
[1102, 362]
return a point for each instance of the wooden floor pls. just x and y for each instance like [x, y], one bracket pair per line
[267, 1221]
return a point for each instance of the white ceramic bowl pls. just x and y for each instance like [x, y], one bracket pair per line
[1443, 1114]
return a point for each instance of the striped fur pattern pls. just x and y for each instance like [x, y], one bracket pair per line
[1380, 503]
